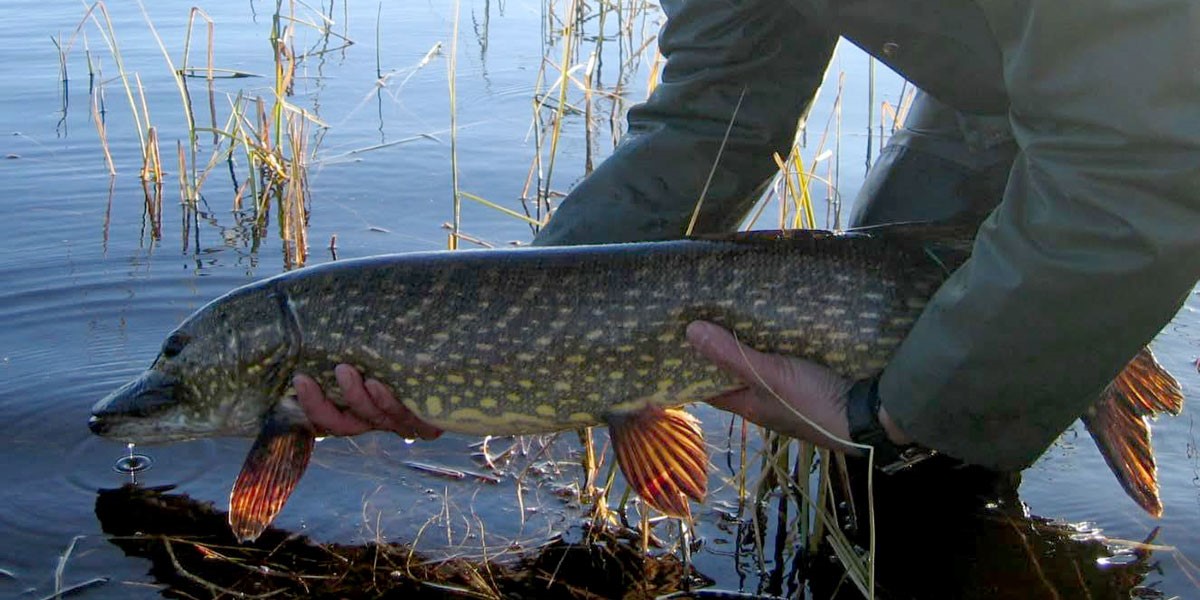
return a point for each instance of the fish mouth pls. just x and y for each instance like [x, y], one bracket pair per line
[138, 406]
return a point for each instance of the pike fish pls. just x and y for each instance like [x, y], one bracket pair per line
[533, 340]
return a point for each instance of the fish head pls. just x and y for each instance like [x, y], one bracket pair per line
[217, 374]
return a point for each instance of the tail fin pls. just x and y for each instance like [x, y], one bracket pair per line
[1119, 426]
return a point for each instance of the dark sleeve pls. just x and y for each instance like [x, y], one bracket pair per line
[1094, 247]
[714, 49]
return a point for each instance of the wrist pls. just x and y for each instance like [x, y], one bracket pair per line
[870, 425]
[894, 433]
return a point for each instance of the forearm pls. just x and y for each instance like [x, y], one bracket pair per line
[718, 54]
[1022, 339]
[1089, 255]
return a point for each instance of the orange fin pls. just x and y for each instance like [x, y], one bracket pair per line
[662, 454]
[1118, 424]
[274, 465]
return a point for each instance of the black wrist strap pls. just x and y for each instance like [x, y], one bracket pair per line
[862, 410]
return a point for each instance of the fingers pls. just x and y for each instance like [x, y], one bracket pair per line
[403, 421]
[326, 417]
[358, 400]
[370, 405]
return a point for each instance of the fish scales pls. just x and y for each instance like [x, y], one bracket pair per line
[535, 340]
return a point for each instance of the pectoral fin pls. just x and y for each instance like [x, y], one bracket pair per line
[663, 457]
[272, 468]
[1118, 424]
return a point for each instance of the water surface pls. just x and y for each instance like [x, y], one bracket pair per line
[89, 290]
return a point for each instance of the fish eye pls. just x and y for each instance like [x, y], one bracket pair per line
[175, 343]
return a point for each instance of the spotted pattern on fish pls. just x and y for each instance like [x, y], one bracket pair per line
[533, 340]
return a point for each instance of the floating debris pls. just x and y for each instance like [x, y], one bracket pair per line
[450, 473]
[436, 470]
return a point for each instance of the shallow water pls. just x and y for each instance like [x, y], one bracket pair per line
[88, 292]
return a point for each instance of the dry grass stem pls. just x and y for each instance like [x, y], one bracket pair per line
[452, 77]
[271, 137]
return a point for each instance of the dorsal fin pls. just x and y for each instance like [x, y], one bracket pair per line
[766, 236]
[949, 243]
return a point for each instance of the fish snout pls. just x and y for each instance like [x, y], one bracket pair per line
[98, 425]
[141, 398]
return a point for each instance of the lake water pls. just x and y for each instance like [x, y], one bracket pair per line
[90, 289]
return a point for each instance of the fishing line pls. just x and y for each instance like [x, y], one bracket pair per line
[870, 456]
[713, 171]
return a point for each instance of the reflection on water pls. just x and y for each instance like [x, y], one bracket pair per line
[93, 277]
[947, 531]
[193, 554]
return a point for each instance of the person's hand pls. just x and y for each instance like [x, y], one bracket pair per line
[370, 406]
[778, 387]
